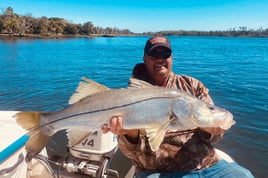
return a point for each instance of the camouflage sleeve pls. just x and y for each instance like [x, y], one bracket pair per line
[200, 90]
[140, 153]
[127, 148]
[211, 134]
[191, 86]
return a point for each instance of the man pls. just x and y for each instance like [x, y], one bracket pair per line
[181, 154]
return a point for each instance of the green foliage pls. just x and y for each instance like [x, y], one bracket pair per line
[70, 29]
[1, 24]
[232, 32]
[88, 28]
[12, 23]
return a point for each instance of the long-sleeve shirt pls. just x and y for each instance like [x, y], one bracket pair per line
[180, 151]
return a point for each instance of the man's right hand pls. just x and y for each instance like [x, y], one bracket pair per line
[116, 127]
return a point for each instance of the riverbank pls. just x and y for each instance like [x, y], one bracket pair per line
[34, 36]
[60, 36]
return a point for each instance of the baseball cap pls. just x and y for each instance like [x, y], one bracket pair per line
[155, 42]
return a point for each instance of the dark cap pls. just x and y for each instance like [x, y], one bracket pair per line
[155, 42]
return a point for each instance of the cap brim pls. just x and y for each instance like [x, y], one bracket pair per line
[159, 45]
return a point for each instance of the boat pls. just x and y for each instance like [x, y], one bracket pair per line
[90, 158]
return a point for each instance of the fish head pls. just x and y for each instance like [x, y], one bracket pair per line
[208, 115]
[191, 113]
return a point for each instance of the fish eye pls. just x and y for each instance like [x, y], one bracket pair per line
[211, 107]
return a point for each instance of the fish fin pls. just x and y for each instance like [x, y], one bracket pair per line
[156, 134]
[86, 88]
[30, 122]
[76, 135]
[136, 83]
[155, 137]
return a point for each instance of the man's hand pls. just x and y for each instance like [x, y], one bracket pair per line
[116, 127]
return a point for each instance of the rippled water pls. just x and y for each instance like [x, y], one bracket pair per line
[42, 75]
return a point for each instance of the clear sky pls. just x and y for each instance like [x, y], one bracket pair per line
[148, 15]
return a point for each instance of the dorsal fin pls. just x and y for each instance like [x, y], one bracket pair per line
[86, 88]
[136, 83]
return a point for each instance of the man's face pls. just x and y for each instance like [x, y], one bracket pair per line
[158, 62]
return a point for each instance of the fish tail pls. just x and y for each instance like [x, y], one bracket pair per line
[30, 122]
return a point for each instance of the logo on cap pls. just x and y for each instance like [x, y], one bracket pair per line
[158, 40]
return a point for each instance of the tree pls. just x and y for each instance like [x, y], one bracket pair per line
[57, 25]
[89, 28]
[9, 11]
[26, 24]
[1, 23]
[70, 29]
[40, 26]
[10, 21]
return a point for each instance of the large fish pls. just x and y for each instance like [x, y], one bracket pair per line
[155, 109]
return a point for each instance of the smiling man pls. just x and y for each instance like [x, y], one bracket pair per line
[181, 154]
[158, 60]
[157, 70]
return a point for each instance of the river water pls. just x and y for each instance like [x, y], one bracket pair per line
[42, 74]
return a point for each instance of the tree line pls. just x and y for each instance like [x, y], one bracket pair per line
[14, 24]
[241, 31]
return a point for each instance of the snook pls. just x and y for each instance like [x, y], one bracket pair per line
[153, 108]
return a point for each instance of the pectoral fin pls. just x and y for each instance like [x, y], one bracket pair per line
[156, 134]
[155, 138]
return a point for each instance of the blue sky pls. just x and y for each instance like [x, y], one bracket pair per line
[148, 15]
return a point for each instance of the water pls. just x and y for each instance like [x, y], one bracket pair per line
[43, 74]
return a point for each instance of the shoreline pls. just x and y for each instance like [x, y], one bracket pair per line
[4, 36]
[33, 36]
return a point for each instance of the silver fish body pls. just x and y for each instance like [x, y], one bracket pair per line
[140, 108]
[155, 109]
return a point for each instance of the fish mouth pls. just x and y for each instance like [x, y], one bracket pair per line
[223, 118]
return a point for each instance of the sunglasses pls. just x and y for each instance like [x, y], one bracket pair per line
[159, 55]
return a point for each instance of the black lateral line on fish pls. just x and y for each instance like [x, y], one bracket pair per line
[79, 114]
